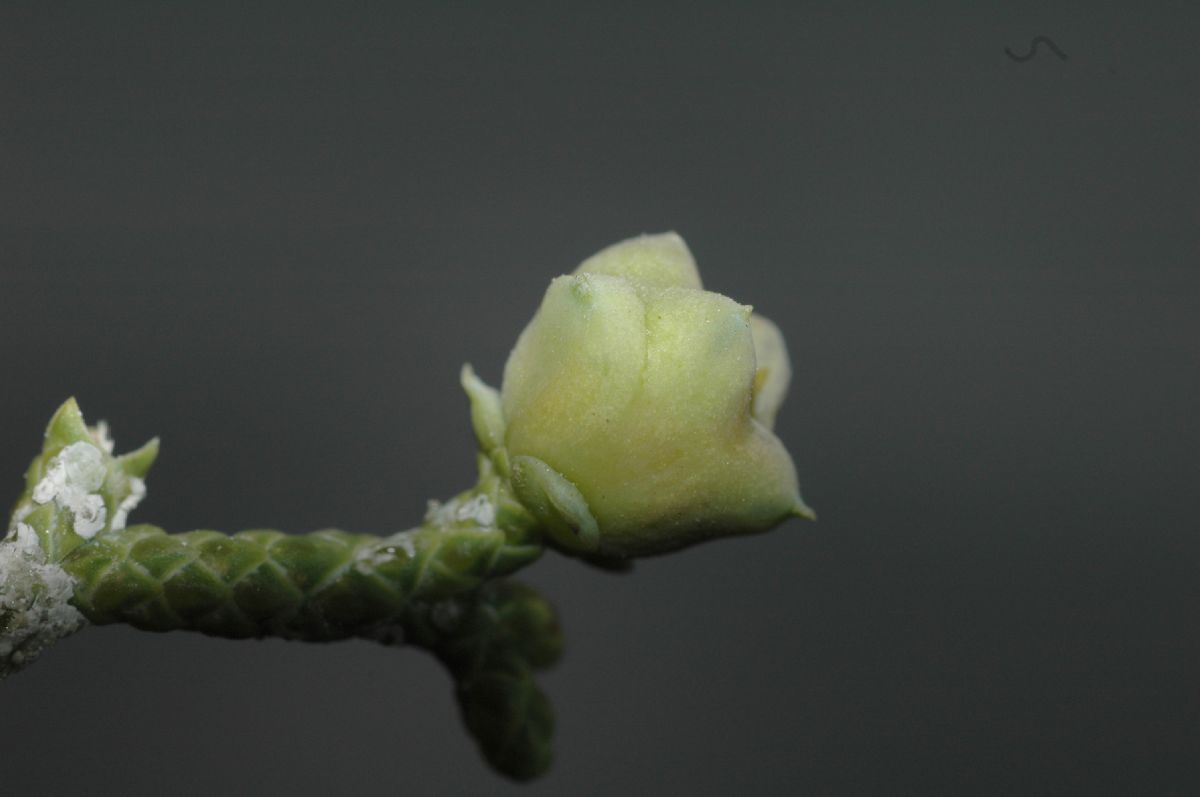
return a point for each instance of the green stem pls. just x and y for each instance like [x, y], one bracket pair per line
[320, 586]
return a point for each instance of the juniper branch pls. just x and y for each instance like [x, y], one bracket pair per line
[432, 586]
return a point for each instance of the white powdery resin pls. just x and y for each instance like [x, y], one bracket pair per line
[102, 436]
[405, 540]
[71, 481]
[137, 491]
[35, 609]
[478, 509]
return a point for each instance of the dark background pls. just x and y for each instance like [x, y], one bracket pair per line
[272, 236]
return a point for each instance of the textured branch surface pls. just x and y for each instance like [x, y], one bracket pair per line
[492, 642]
[319, 586]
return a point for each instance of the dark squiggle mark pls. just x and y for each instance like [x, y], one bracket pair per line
[1033, 48]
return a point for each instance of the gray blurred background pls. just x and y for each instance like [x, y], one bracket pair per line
[272, 235]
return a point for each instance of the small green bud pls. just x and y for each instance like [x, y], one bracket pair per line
[76, 488]
[637, 408]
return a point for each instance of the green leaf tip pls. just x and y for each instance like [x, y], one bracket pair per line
[137, 463]
[66, 426]
[487, 417]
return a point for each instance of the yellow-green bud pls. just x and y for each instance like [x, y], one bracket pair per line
[635, 413]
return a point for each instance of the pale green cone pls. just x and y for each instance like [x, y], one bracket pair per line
[628, 404]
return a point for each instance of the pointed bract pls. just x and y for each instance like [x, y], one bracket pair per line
[556, 502]
[660, 261]
[137, 463]
[774, 370]
[66, 426]
[487, 416]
